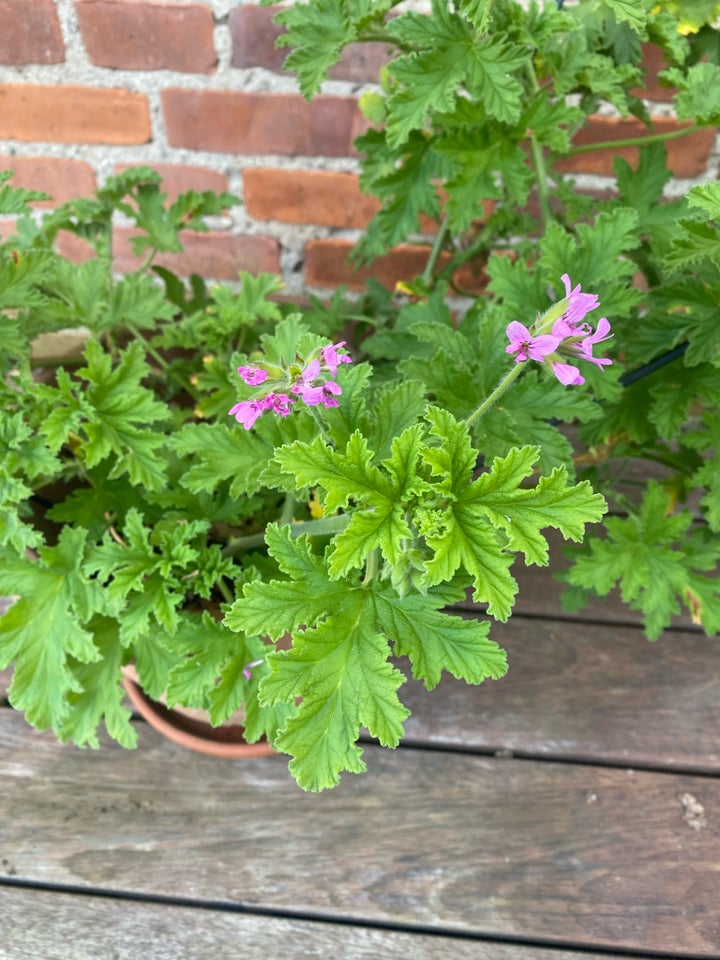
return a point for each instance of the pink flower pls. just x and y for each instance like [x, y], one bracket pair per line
[279, 403]
[585, 346]
[324, 393]
[253, 376]
[247, 411]
[305, 380]
[333, 359]
[248, 668]
[570, 338]
[579, 305]
[526, 346]
[567, 374]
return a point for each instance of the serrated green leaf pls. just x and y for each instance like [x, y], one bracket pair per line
[654, 559]
[45, 627]
[436, 641]
[523, 512]
[449, 55]
[706, 196]
[318, 31]
[99, 695]
[341, 671]
[628, 11]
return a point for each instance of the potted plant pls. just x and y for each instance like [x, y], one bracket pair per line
[274, 508]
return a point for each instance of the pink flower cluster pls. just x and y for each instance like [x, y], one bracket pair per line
[569, 338]
[312, 382]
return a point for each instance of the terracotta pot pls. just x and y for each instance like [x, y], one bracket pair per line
[192, 728]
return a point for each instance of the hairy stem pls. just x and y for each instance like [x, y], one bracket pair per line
[439, 243]
[635, 141]
[499, 390]
[323, 527]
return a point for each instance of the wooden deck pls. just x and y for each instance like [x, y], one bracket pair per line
[568, 812]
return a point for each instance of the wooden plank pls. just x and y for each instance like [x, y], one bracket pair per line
[559, 854]
[583, 691]
[59, 926]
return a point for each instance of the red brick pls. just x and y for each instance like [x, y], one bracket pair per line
[148, 34]
[229, 121]
[254, 34]
[178, 178]
[326, 265]
[687, 156]
[62, 178]
[307, 196]
[215, 255]
[8, 227]
[30, 32]
[68, 113]
[653, 62]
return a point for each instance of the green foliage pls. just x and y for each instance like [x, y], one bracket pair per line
[298, 570]
[658, 560]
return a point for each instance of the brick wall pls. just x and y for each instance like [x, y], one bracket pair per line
[195, 89]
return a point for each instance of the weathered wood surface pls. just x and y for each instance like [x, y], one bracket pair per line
[580, 691]
[45, 925]
[583, 691]
[553, 853]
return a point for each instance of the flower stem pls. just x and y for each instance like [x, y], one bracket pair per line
[635, 141]
[541, 178]
[499, 390]
[372, 565]
[429, 270]
[323, 527]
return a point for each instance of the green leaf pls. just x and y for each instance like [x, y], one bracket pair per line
[117, 412]
[656, 560]
[632, 12]
[694, 243]
[523, 512]
[381, 492]
[340, 670]
[151, 565]
[338, 664]
[218, 453]
[16, 200]
[318, 30]
[45, 628]
[449, 55]
[99, 694]
[436, 641]
[698, 98]
[459, 536]
[706, 196]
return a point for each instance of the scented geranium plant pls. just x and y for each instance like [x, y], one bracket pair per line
[211, 473]
[479, 108]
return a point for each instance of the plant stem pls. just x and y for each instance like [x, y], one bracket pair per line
[288, 509]
[320, 528]
[635, 141]
[224, 590]
[427, 275]
[541, 178]
[499, 390]
[372, 565]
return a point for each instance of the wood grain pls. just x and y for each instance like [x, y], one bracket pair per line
[580, 691]
[555, 853]
[61, 926]
[583, 691]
